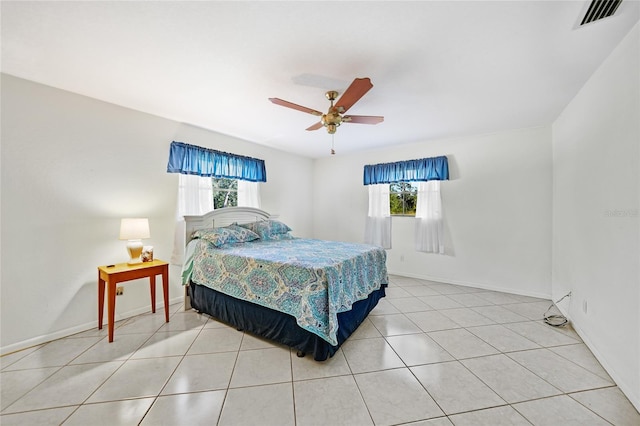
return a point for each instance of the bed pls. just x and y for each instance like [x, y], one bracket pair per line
[244, 267]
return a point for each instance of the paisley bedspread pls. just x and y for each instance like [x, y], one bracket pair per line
[312, 280]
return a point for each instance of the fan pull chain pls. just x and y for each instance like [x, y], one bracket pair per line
[333, 152]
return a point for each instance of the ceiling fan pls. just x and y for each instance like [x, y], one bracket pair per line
[335, 115]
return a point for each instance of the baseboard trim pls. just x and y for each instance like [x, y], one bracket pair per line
[45, 338]
[628, 390]
[471, 284]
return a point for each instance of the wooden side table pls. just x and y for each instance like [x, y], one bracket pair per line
[111, 275]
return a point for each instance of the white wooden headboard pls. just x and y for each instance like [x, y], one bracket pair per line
[218, 218]
[222, 217]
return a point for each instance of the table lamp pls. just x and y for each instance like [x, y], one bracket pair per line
[134, 230]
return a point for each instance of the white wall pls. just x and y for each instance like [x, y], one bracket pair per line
[596, 213]
[497, 209]
[72, 166]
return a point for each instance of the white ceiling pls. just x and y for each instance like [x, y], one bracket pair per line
[439, 68]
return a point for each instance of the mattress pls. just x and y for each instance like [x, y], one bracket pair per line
[312, 281]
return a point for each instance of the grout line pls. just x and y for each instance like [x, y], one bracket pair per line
[351, 373]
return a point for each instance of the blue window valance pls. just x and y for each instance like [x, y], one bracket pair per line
[435, 168]
[194, 160]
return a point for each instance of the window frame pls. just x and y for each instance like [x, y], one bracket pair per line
[404, 192]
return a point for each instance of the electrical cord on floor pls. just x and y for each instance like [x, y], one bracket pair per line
[556, 320]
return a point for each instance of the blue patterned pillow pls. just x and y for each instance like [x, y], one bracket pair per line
[267, 229]
[226, 235]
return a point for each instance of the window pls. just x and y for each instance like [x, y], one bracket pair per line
[225, 192]
[403, 198]
[409, 182]
[209, 180]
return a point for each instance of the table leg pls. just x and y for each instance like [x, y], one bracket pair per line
[152, 284]
[165, 291]
[111, 307]
[100, 301]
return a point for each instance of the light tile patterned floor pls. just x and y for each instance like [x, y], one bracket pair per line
[430, 354]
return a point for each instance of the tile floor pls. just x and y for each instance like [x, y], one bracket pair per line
[429, 354]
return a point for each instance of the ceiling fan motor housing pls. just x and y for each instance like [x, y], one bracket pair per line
[331, 120]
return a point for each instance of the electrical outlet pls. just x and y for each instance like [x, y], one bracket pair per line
[584, 306]
[402, 258]
[119, 291]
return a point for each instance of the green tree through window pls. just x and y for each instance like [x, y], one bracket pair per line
[225, 192]
[403, 198]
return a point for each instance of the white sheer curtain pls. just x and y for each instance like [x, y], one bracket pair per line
[195, 196]
[378, 225]
[429, 222]
[248, 194]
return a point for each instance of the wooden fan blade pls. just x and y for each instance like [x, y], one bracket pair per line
[363, 119]
[358, 88]
[316, 126]
[295, 106]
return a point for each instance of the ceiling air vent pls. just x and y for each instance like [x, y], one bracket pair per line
[600, 9]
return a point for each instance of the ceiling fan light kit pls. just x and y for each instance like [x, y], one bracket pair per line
[335, 115]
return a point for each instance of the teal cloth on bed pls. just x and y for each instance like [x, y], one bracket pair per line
[312, 280]
[187, 266]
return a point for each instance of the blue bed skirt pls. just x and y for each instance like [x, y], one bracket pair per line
[277, 326]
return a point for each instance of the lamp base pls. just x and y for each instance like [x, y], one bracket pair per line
[134, 247]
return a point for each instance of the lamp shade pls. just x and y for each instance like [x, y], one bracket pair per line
[134, 229]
